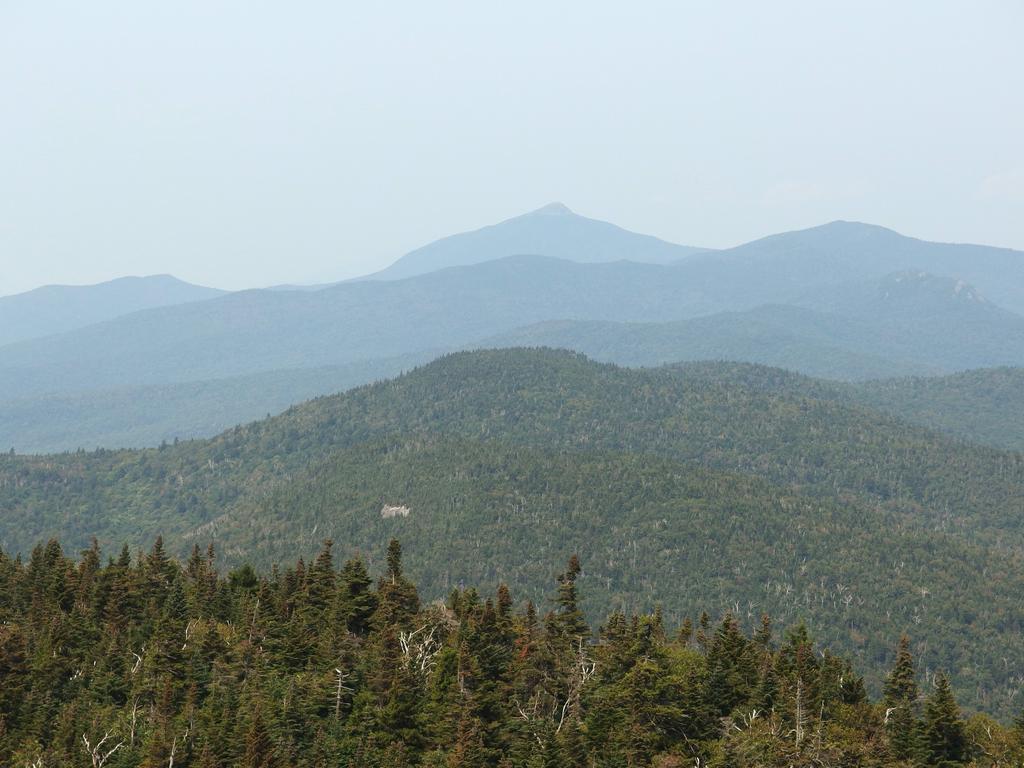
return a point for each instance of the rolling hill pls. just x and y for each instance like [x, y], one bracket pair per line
[984, 406]
[516, 451]
[58, 308]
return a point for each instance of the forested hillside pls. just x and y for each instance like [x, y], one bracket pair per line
[146, 416]
[733, 487]
[983, 406]
[145, 662]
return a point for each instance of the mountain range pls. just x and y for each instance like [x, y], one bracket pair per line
[58, 308]
[844, 301]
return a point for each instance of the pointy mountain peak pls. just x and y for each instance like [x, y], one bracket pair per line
[554, 209]
[553, 230]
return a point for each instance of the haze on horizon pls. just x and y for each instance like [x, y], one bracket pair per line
[249, 144]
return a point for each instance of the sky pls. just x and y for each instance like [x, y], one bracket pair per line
[246, 143]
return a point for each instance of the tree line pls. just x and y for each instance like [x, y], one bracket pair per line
[145, 661]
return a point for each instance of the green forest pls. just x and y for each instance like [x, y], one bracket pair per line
[713, 487]
[145, 661]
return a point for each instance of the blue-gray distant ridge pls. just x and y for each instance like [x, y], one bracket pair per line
[553, 230]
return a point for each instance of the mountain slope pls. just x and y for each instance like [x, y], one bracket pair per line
[903, 324]
[801, 300]
[783, 267]
[983, 406]
[649, 532]
[731, 418]
[58, 308]
[795, 338]
[553, 231]
[255, 331]
[137, 417]
[507, 452]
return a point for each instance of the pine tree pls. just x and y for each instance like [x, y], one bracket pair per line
[397, 599]
[468, 750]
[321, 581]
[503, 691]
[944, 733]
[571, 623]
[260, 751]
[394, 560]
[685, 636]
[357, 599]
[763, 635]
[731, 674]
[168, 642]
[900, 698]
[767, 692]
[703, 629]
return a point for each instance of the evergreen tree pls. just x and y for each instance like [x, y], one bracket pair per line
[943, 729]
[394, 560]
[731, 673]
[273, 676]
[901, 703]
[358, 602]
[571, 623]
[685, 636]
[260, 751]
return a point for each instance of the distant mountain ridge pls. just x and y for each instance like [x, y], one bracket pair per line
[59, 308]
[553, 230]
[908, 323]
[780, 268]
[843, 300]
[252, 331]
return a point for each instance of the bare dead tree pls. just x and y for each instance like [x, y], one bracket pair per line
[546, 711]
[188, 632]
[174, 747]
[134, 720]
[96, 753]
[583, 670]
[420, 648]
[529, 715]
[342, 677]
[800, 717]
[138, 659]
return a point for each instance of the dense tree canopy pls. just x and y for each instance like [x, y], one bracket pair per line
[143, 661]
[710, 487]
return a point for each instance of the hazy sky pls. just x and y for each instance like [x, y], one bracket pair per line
[248, 143]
